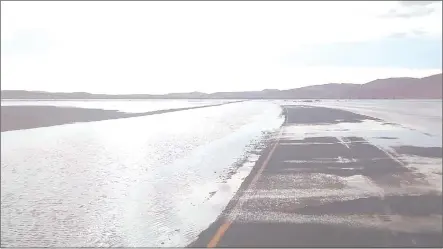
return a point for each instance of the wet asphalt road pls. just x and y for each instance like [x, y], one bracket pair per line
[337, 179]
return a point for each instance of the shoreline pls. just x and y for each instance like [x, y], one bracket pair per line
[18, 117]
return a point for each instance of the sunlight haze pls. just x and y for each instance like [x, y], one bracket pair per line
[162, 47]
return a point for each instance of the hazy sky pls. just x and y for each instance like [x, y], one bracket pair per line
[159, 47]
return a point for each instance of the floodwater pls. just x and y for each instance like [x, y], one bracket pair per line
[147, 181]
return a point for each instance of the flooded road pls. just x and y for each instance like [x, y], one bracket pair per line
[224, 176]
[334, 178]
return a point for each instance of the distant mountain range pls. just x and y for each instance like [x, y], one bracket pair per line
[392, 88]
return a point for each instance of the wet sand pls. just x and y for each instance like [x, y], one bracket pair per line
[327, 181]
[28, 117]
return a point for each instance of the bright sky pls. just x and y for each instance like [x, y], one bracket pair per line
[160, 47]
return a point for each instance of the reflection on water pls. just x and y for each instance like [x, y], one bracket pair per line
[141, 181]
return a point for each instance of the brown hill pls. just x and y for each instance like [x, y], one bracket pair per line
[404, 88]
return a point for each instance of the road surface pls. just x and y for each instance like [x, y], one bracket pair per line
[333, 178]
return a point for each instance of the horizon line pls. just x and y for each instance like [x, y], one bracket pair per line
[266, 89]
